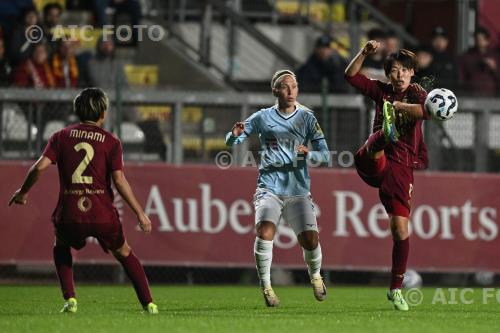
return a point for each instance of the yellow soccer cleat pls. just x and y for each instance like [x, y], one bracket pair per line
[319, 288]
[70, 306]
[151, 308]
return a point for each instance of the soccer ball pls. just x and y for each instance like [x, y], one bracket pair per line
[441, 104]
[412, 279]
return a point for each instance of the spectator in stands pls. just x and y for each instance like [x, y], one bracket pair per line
[64, 65]
[479, 72]
[35, 72]
[444, 64]
[131, 8]
[373, 66]
[19, 46]
[325, 62]
[5, 70]
[10, 12]
[52, 13]
[425, 74]
[392, 43]
[105, 71]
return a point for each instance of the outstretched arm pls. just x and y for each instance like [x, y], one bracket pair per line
[414, 111]
[237, 134]
[123, 187]
[318, 154]
[355, 65]
[21, 195]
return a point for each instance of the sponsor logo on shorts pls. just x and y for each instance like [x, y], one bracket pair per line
[84, 204]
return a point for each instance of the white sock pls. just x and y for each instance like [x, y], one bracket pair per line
[263, 251]
[313, 261]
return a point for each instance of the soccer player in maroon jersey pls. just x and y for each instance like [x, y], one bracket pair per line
[87, 158]
[396, 147]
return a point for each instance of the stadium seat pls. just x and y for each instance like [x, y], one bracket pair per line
[51, 128]
[15, 126]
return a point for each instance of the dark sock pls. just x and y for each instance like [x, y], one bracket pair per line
[136, 274]
[64, 267]
[376, 142]
[400, 251]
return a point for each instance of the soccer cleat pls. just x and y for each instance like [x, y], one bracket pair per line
[70, 305]
[270, 297]
[319, 288]
[389, 123]
[397, 300]
[151, 308]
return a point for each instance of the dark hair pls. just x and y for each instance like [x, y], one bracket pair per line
[376, 34]
[53, 5]
[405, 57]
[90, 104]
[482, 31]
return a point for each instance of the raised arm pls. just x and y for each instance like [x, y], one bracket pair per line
[357, 62]
[123, 187]
[21, 195]
[242, 130]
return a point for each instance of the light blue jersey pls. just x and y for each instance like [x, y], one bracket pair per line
[282, 171]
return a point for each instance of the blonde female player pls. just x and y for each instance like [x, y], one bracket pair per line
[283, 185]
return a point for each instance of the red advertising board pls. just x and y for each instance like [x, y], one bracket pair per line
[203, 216]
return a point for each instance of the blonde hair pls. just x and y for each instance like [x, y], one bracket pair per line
[279, 75]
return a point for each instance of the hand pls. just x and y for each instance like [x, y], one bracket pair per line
[370, 47]
[301, 149]
[490, 63]
[144, 223]
[18, 198]
[238, 128]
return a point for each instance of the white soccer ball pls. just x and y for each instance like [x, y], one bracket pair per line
[412, 279]
[441, 103]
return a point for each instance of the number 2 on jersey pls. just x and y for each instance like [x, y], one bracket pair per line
[77, 177]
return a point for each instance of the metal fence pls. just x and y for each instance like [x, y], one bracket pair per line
[189, 127]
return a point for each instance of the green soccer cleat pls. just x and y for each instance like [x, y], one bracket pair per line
[397, 300]
[319, 288]
[151, 308]
[70, 306]
[270, 297]
[389, 124]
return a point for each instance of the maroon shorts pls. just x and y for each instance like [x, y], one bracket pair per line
[110, 235]
[394, 181]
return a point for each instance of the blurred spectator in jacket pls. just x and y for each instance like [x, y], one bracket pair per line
[5, 69]
[479, 72]
[24, 36]
[392, 43]
[35, 72]
[105, 70]
[444, 64]
[426, 73]
[324, 62]
[52, 13]
[10, 12]
[64, 65]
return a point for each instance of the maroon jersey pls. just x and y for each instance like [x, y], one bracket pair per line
[85, 155]
[410, 150]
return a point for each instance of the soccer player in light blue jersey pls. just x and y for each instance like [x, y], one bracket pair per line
[285, 131]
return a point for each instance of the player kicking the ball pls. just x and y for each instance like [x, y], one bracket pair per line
[87, 158]
[396, 147]
[283, 185]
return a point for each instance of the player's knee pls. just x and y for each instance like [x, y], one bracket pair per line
[309, 240]
[122, 252]
[399, 230]
[266, 230]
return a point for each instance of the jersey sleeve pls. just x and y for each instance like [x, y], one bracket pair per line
[116, 157]
[419, 94]
[320, 152]
[251, 126]
[52, 148]
[364, 85]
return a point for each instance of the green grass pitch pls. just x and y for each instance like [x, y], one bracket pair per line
[239, 309]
